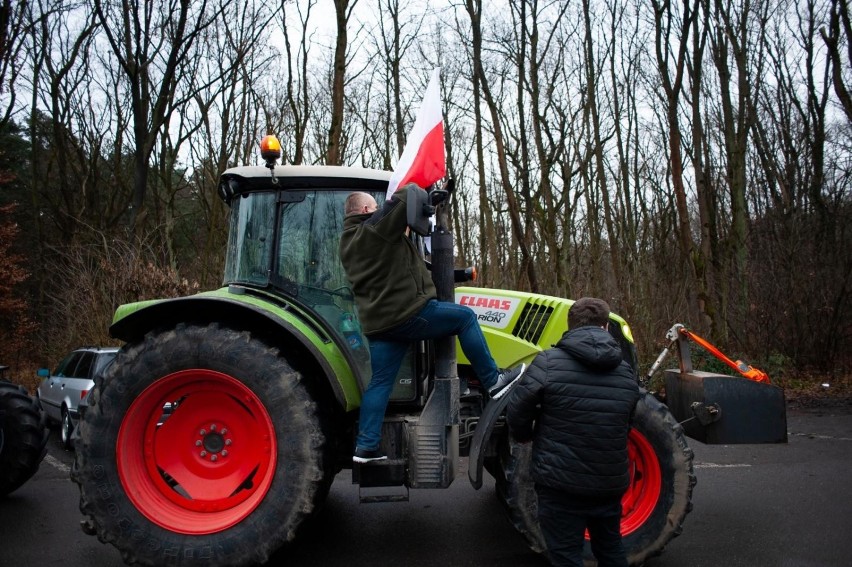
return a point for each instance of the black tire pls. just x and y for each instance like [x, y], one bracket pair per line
[23, 437]
[66, 429]
[669, 502]
[297, 481]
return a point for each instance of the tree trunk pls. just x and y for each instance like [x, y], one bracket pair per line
[334, 155]
[474, 9]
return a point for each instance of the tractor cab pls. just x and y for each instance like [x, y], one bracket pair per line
[284, 232]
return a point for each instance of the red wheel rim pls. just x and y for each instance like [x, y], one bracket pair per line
[645, 483]
[204, 466]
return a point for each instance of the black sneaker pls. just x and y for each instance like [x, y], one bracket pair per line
[505, 380]
[368, 455]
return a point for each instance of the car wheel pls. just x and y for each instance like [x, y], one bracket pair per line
[66, 429]
[202, 446]
[656, 503]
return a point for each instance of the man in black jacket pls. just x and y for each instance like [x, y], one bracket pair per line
[575, 404]
[397, 304]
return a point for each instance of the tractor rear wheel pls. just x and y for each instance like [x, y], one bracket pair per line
[201, 446]
[23, 436]
[655, 505]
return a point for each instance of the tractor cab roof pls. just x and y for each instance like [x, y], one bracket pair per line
[248, 179]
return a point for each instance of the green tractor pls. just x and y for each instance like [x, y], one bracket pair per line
[226, 416]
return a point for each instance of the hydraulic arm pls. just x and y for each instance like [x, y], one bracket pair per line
[678, 335]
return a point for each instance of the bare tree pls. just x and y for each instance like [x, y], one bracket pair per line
[60, 60]
[342, 12]
[799, 236]
[13, 17]
[227, 117]
[707, 256]
[298, 100]
[556, 114]
[546, 61]
[150, 41]
[474, 11]
[739, 67]
[397, 30]
[599, 140]
[837, 36]
[673, 28]
[625, 63]
[485, 221]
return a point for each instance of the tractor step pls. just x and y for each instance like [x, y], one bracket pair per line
[390, 472]
[365, 497]
[385, 475]
[724, 410]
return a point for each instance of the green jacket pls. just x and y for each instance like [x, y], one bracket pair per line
[388, 276]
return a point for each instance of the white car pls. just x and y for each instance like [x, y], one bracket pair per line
[61, 391]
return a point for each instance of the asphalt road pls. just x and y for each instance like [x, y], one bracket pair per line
[755, 505]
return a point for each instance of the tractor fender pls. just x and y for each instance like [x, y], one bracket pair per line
[283, 325]
[481, 436]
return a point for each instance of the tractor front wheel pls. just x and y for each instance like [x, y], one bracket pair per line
[656, 503]
[201, 446]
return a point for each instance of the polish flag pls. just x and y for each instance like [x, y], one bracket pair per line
[423, 161]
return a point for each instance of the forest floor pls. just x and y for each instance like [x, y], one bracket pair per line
[817, 390]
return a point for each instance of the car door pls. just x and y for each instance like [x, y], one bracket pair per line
[51, 389]
[79, 383]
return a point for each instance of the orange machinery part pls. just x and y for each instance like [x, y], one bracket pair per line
[747, 371]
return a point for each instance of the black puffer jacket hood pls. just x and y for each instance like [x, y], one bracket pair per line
[575, 403]
[597, 351]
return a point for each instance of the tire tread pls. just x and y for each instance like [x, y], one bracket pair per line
[25, 435]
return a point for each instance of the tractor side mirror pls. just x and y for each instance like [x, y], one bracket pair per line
[440, 195]
[419, 209]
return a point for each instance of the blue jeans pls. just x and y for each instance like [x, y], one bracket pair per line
[437, 319]
[564, 518]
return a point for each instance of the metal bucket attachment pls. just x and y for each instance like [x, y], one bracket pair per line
[722, 410]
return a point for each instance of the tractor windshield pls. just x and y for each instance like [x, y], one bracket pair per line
[288, 241]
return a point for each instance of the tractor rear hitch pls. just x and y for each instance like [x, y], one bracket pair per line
[755, 410]
[704, 413]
